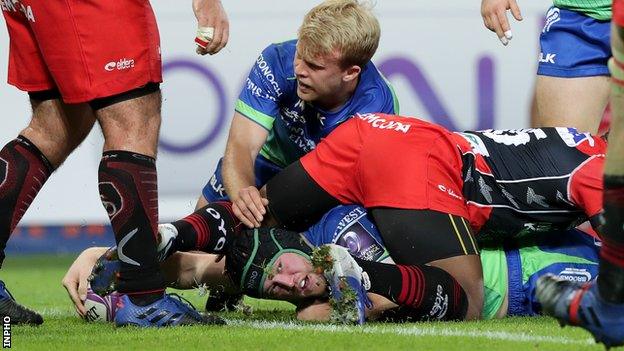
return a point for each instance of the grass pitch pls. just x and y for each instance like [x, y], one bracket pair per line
[35, 282]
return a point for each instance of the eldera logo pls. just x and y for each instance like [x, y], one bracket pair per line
[119, 65]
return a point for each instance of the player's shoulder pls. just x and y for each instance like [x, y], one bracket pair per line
[280, 53]
[374, 93]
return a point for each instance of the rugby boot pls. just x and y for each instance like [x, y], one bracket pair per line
[170, 310]
[577, 304]
[105, 273]
[347, 287]
[18, 313]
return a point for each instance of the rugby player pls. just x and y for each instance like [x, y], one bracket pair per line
[297, 92]
[599, 306]
[62, 55]
[572, 85]
[509, 275]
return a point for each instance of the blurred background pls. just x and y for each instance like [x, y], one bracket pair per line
[445, 67]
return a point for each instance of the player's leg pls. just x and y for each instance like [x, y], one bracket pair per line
[572, 86]
[442, 241]
[54, 131]
[599, 306]
[571, 102]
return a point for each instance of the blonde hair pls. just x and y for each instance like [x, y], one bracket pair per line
[344, 25]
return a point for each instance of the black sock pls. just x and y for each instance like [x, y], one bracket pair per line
[422, 292]
[611, 273]
[23, 171]
[207, 229]
[128, 190]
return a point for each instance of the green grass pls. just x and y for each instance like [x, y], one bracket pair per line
[35, 282]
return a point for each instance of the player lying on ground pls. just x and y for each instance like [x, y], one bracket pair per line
[509, 276]
[428, 189]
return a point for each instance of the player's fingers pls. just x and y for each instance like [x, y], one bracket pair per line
[265, 201]
[499, 31]
[203, 39]
[257, 199]
[250, 220]
[82, 289]
[486, 23]
[239, 214]
[250, 204]
[215, 41]
[225, 38]
[72, 291]
[504, 22]
[515, 10]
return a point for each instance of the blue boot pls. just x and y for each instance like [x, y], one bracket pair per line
[168, 311]
[580, 304]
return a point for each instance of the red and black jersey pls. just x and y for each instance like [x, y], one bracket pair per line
[519, 182]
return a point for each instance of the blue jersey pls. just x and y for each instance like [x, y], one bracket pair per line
[351, 227]
[270, 99]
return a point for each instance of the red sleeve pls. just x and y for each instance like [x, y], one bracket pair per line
[585, 186]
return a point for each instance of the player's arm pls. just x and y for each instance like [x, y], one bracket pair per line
[75, 280]
[243, 145]
[213, 27]
[494, 14]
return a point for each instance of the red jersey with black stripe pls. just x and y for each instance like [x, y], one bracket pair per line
[519, 182]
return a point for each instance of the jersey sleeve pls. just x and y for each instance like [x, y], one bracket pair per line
[586, 186]
[263, 88]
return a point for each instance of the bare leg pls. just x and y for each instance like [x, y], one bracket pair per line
[571, 102]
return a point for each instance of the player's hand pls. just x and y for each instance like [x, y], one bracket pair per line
[75, 280]
[213, 27]
[249, 206]
[494, 13]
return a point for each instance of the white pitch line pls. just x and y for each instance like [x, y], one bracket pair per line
[409, 331]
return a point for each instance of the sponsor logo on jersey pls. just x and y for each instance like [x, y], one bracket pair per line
[575, 274]
[547, 58]
[573, 137]
[382, 123]
[552, 16]
[120, 65]
[267, 73]
[349, 218]
[514, 137]
[477, 145]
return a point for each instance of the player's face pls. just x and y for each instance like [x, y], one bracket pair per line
[292, 278]
[319, 79]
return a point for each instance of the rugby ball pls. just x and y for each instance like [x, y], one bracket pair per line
[101, 309]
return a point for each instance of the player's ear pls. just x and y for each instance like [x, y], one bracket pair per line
[351, 73]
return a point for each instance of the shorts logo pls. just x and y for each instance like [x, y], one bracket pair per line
[120, 65]
[549, 58]
[553, 16]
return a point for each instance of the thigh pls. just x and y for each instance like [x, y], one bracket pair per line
[132, 125]
[57, 128]
[571, 102]
[422, 236]
[296, 201]
[96, 49]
